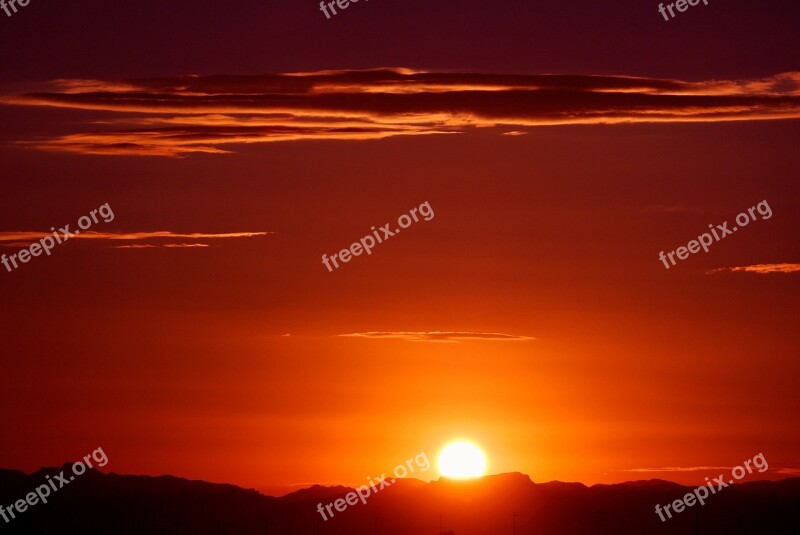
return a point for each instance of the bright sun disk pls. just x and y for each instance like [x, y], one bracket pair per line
[462, 460]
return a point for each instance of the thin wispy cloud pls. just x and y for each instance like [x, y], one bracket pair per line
[209, 114]
[782, 471]
[164, 246]
[25, 238]
[788, 471]
[761, 269]
[437, 336]
[678, 469]
[663, 209]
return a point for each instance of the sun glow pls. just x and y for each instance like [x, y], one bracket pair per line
[462, 460]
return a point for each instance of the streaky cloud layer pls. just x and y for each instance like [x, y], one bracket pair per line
[761, 269]
[164, 246]
[207, 114]
[25, 238]
[437, 336]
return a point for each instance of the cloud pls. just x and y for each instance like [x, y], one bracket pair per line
[783, 471]
[208, 114]
[15, 244]
[25, 238]
[679, 469]
[788, 471]
[166, 245]
[662, 209]
[437, 336]
[761, 269]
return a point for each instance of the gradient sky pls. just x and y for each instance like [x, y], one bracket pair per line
[572, 354]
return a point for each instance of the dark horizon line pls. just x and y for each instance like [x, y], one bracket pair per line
[441, 479]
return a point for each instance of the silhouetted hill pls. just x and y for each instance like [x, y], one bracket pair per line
[97, 503]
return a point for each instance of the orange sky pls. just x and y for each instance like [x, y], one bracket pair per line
[174, 360]
[579, 358]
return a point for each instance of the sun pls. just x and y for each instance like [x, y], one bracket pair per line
[462, 460]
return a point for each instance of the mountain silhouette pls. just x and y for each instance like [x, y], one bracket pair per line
[98, 503]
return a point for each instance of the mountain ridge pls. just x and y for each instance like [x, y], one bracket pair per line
[101, 503]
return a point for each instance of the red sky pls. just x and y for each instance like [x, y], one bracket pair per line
[574, 354]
